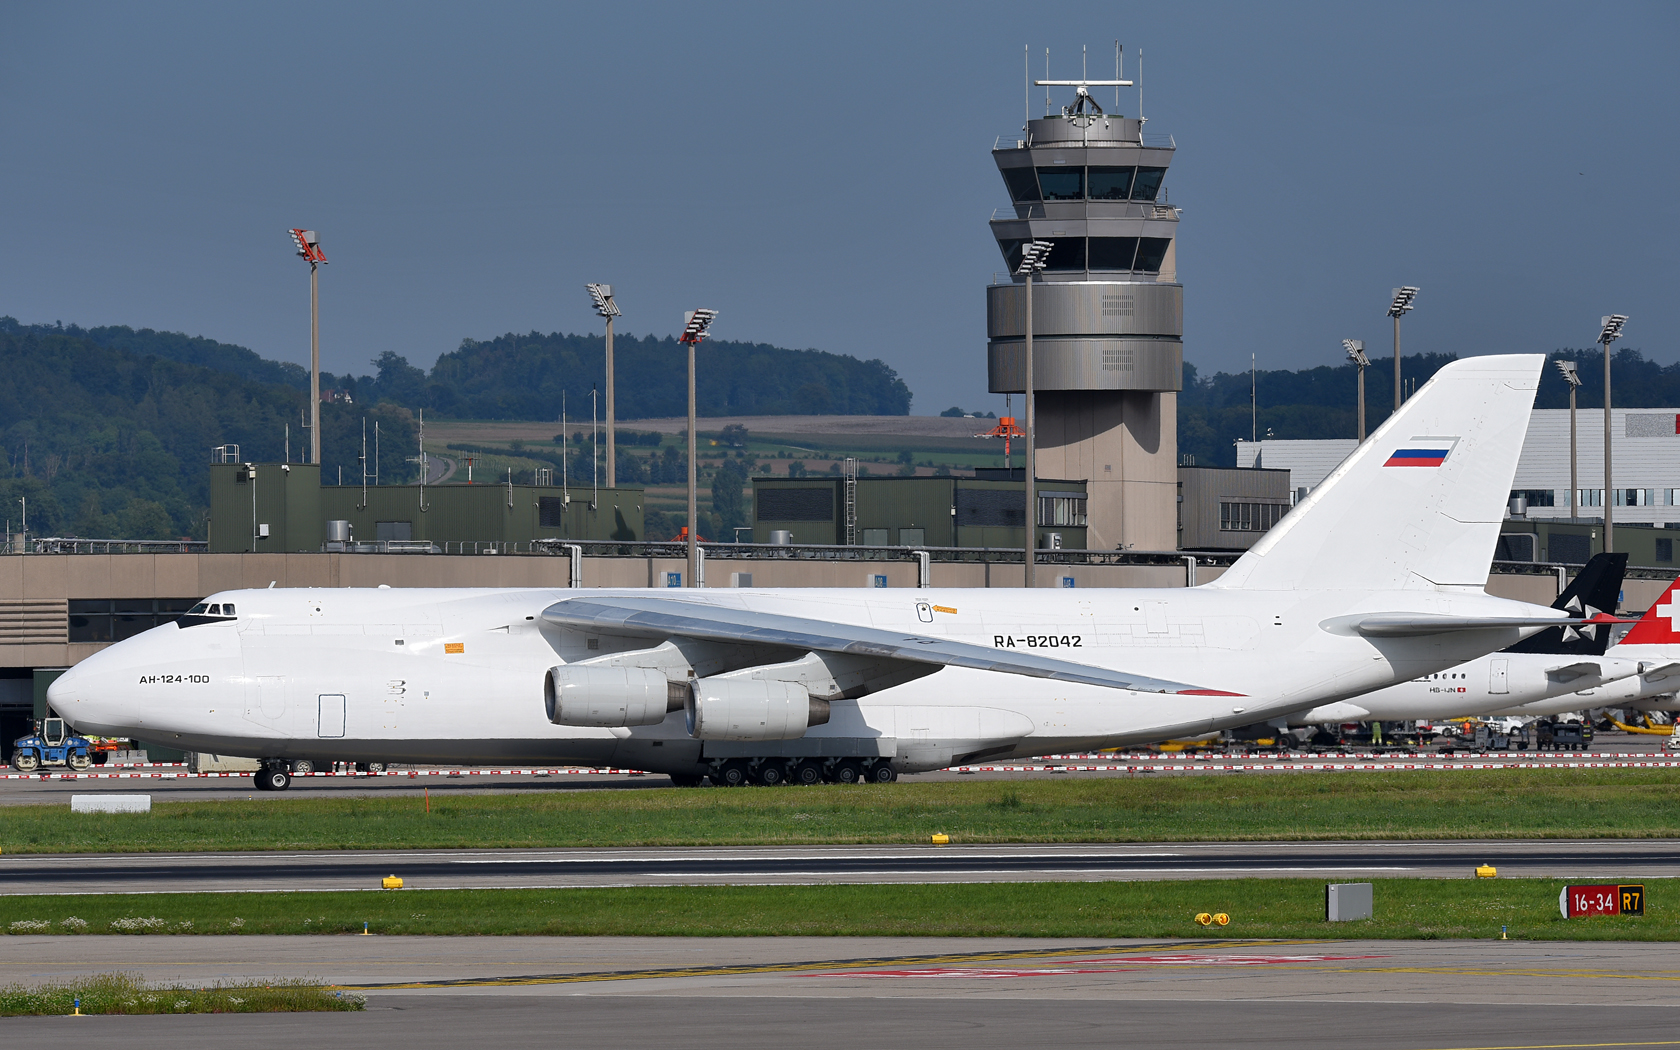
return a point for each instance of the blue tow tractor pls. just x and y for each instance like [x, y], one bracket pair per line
[52, 746]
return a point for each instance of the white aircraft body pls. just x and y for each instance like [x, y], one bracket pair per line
[1375, 577]
[1559, 662]
[1653, 645]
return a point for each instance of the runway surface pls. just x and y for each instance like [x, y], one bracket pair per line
[449, 869]
[607, 993]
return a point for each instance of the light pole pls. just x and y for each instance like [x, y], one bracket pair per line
[1402, 303]
[1573, 378]
[695, 323]
[1356, 353]
[309, 249]
[1034, 255]
[1609, 330]
[604, 305]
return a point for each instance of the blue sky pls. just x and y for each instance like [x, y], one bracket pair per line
[821, 173]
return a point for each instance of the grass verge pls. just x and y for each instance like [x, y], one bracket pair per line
[1405, 908]
[1516, 803]
[120, 993]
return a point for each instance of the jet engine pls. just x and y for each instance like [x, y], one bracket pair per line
[752, 709]
[610, 696]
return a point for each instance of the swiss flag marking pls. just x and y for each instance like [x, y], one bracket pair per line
[1658, 627]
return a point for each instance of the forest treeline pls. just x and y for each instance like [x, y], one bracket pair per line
[1214, 411]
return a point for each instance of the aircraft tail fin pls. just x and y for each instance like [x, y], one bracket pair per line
[1657, 626]
[1419, 504]
[1598, 588]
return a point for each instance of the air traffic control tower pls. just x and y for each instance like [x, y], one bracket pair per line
[1108, 314]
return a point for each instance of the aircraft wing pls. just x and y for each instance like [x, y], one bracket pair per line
[664, 617]
[1402, 625]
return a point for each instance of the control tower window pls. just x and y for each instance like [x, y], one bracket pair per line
[1011, 253]
[1062, 184]
[1110, 184]
[1022, 185]
[1112, 253]
[1151, 252]
[1148, 183]
[1068, 254]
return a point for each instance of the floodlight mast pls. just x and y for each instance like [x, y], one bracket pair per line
[1573, 378]
[1609, 330]
[695, 324]
[1356, 353]
[1404, 300]
[309, 249]
[604, 305]
[1034, 256]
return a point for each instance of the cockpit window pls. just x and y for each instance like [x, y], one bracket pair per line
[215, 610]
[206, 612]
[227, 609]
[198, 610]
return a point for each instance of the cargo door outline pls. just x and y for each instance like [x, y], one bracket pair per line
[265, 699]
[330, 715]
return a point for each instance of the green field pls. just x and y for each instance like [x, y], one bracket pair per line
[118, 993]
[1396, 805]
[1294, 908]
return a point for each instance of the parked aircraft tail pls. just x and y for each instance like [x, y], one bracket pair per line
[1598, 588]
[1657, 626]
[1419, 504]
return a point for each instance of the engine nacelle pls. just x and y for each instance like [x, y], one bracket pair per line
[751, 709]
[610, 697]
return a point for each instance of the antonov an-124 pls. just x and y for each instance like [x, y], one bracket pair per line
[1375, 577]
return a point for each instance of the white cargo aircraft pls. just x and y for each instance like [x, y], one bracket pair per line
[1375, 577]
[1539, 672]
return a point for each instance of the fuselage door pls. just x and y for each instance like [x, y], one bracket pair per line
[1499, 673]
[331, 716]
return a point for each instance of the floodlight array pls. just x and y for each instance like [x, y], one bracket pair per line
[308, 246]
[1034, 256]
[1356, 351]
[1404, 301]
[1566, 369]
[1610, 328]
[695, 323]
[603, 296]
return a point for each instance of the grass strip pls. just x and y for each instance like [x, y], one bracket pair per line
[1515, 803]
[1291, 908]
[121, 993]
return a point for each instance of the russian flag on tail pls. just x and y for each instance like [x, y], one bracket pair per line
[1417, 457]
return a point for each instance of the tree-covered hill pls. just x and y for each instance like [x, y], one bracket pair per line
[1214, 411]
[524, 376]
[105, 442]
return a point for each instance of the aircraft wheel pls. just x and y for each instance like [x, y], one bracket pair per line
[848, 771]
[78, 762]
[303, 767]
[770, 774]
[883, 773]
[25, 761]
[274, 778]
[808, 772]
[732, 774]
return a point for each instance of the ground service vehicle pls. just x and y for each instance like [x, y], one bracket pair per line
[1376, 576]
[52, 745]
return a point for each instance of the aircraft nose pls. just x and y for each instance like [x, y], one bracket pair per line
[90, 695]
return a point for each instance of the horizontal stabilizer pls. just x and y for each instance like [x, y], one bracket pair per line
[668, 617]
[1659, 672]
[1411, 625]
[1573, 671]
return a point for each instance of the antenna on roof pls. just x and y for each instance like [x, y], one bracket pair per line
[1026, 83]
[1117, 77]
[1047, 82]
[1140, 93]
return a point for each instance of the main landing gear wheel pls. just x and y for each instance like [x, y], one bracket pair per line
[770, 774]
[807, 772]
[273, 779]
[303, 767]
[847, 772]
[732, 774]
[883, 773]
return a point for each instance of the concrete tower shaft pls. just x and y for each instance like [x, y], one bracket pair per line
[1108, 316]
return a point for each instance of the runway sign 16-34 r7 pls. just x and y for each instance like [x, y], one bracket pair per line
[1576, 901]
